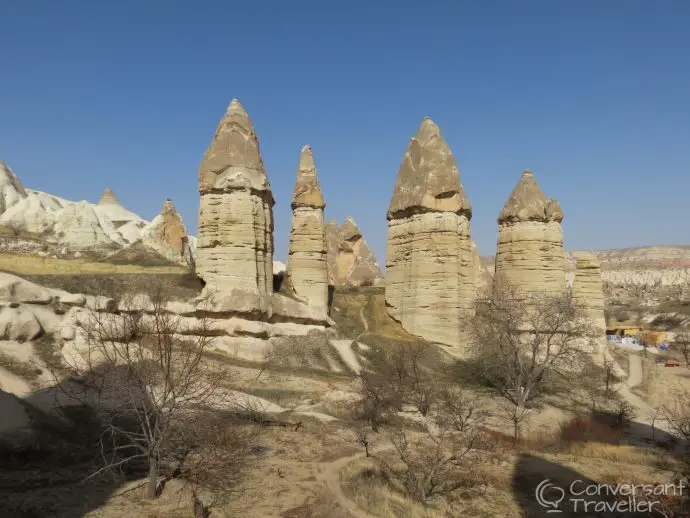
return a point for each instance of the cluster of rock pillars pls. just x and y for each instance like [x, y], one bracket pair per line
[431, 279]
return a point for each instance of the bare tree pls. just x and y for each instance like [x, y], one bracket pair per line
[624, 414]
[654, 416]
[362, 436]
[681, 343]
[524, 341]
[460, 411]
[609, 367]
[677, 414]
[379, 399]
[415, 383]
[437, 461]
[145, 373]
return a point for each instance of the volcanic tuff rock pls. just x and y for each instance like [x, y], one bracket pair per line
[67, 224]
[482, 274]
[530, 240]
[167, 235]
[235, 238]
[429, 278]
[307, 268]
[588, 291]
[350, 260]
[108, 198]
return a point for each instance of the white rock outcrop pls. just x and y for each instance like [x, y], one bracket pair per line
[307, 268]
[429, 277]
[235, 238]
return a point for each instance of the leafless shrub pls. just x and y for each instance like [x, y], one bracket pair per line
[437, 462]
[378, 399]
[145, 373]
[526, 341]
[362, 437]
[681, 343]
[624, 414]
[677, 415]
[459, 411]
[414, 383]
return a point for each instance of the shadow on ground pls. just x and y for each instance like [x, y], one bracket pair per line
[545, 489]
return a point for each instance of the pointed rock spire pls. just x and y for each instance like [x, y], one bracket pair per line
[349, 230]
[108, 198]
[234, 247]
[307, 191]
[233, 160]
[429, 179]
[526, 203]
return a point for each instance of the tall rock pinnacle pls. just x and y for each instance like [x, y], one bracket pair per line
[307, 268]
[235, 237]
[530, 254]
[429, 275]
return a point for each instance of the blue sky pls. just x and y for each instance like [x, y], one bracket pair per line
[593, 96]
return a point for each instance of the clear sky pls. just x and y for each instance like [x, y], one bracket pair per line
[593, 96]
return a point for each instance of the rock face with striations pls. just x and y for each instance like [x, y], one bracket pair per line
[307, 269]
[350, 260]
[530, 255]
[167, 235]
[235, 237]
[588, 291]
[429, 265]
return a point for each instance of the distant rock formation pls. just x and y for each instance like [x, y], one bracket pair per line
[530, 240]
[235, 237]
[11, 190]
[350, 260]
[482, 274]
[69, 225]
[588, 291]
[108, 198]
[307, 268]
[167, 235]
[429, 278]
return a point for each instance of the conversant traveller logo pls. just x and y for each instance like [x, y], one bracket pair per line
[584, 497]
[549, 496]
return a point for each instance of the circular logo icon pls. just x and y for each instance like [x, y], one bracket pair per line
[549, 496]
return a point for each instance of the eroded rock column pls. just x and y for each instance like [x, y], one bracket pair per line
[307, 268]
[235, 237]
[530, 254]
[588, 290]
[429, 274]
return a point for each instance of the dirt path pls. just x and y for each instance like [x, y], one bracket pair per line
[328, 473]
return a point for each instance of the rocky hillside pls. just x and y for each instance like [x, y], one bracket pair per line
[35, 221]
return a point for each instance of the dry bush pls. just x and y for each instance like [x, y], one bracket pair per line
[587, 429]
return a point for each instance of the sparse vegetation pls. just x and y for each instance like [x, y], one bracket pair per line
[525, 342]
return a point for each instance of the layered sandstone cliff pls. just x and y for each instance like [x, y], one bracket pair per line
[530, 255]
[350, 260]
[307, 268]
[588, 290]
[235, 237]
[429, 265]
